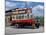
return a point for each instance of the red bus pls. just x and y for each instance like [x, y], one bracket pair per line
[23, 17]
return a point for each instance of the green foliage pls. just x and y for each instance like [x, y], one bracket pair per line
[41, 19]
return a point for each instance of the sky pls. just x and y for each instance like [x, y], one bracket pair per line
[37, 7]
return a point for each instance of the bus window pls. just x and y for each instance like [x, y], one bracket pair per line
[22, 16]
[30, 16]
[17, 16]
[25, 16]
[10, 18]
[13, 17]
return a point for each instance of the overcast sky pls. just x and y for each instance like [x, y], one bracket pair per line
[37, 7]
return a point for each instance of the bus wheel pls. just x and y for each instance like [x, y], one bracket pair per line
[17, 25]
[37, 25]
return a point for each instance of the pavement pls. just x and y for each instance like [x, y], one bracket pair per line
[13, 31]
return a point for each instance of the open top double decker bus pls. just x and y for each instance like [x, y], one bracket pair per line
[23, 17]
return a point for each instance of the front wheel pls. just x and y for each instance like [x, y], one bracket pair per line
[37, 25]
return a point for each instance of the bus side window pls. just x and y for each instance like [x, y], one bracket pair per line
[13, 17]
[10, 18]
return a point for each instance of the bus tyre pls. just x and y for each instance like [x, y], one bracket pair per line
[17, 26]
[37, 25]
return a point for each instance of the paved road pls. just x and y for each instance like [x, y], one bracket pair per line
[11, 31]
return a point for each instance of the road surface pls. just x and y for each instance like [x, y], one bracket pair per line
[13, 31]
